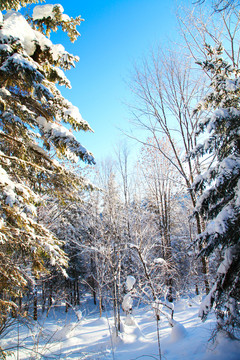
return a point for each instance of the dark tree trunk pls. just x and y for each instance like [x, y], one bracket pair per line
[35, 303]
[50, 298]
[43, 297]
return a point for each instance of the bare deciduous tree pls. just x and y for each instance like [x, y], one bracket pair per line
[166, 90]
[200, 26]
[161, 183]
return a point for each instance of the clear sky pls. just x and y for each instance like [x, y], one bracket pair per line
[114, 35]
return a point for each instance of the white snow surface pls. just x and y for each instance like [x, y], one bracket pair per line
[61, 336]
[178, 333]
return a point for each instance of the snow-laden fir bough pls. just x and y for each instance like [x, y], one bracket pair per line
[34, 142]
[219, 188]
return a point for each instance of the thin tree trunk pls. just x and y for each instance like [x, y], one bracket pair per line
[100, 305]
[50, 298]
[78, 295]
[115, 305]
[35, 303]
[43, 297]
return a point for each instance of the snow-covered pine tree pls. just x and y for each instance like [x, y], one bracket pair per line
[32, 137]
[219, 188]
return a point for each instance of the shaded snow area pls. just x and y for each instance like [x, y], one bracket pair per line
[83, 335]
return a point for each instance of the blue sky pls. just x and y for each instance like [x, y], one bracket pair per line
[114, 35]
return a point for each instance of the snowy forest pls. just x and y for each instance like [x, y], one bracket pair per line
[147, 249]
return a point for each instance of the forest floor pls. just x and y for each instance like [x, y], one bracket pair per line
[83, 335]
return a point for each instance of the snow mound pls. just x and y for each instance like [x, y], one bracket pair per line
[178, 332]
[130, 321]
[64, 332]
[130, 331]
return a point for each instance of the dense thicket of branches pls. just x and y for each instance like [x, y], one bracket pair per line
[170, 220]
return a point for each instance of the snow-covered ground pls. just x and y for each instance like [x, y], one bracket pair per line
[66, 336]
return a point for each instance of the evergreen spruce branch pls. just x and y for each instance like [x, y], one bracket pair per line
[29, 146]
[51, 23]
[13, 158]
[18, 68]
[218, 188]
[14, 4]
[55, 103]
[29, 74]
[36, 238]
[61, 176]
[34, 105]
[225, 238]
[216, 196]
